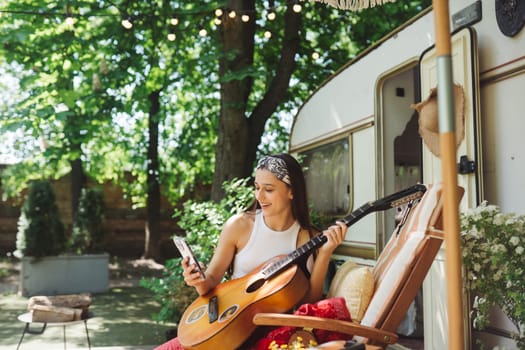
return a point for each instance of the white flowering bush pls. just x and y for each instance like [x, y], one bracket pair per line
[494, 258]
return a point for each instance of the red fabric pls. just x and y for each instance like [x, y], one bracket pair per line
[173, 344]
[334, 308]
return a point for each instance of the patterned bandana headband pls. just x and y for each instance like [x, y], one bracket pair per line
[276, 166]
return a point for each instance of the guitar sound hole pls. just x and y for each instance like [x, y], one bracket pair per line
[255, 285]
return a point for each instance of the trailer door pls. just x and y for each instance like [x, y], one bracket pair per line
[465, 73]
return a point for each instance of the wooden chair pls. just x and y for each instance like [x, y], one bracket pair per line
[399, 273]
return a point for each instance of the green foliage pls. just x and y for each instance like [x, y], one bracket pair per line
[494, 257]
[40, 230]
[320, 220]
[88, 233]
[202, 223]
[131, 106]
[15, 177]
[84, 89]
[171, 292]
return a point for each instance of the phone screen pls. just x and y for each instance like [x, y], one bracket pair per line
[185, 251]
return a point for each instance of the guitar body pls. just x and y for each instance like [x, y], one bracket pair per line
[238, 301]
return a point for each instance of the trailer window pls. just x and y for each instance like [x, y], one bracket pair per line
[327, 173]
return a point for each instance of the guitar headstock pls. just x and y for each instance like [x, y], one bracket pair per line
[391, 201]
[400, 197]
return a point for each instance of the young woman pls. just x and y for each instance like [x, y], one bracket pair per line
[278, 224]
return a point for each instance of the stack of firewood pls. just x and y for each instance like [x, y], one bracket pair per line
[59, 308]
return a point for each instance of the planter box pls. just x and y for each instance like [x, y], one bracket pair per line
[64, 274]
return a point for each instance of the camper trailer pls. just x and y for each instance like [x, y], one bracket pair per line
[358, 135]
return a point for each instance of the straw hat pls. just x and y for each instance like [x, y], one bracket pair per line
[428, 118]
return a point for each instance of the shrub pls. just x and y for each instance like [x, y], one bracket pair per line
[40, 230]
[88, 234]
[203, 223]
[494, 258]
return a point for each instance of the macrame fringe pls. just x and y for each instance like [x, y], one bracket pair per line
[355, 5]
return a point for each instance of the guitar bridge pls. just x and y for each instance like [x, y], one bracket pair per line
[213, 309]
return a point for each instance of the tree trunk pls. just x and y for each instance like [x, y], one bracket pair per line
[239, 135]
[78, 181]
[152, 234]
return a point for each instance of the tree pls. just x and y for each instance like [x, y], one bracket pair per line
[239, 136]
[110, 102]
[241, 124]
[61, 107]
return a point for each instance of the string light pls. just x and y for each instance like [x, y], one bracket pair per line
[127, 23]
[69, 18]
[218, 16]
[271, 15]
[271, 10]
[315, 55]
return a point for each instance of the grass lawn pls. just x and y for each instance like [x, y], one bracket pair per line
[122, 318]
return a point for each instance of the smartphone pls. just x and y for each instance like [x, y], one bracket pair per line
[185, 250]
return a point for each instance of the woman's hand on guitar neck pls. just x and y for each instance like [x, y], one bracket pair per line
[336, 235]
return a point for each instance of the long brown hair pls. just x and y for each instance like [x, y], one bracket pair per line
[300, 209]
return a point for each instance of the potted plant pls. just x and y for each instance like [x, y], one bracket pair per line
[46, 265]
[40, 230]
[494, 258]
[88, 233]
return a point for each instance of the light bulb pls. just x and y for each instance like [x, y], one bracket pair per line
[202, 32]
[267, 34]
[174, 21]
[297, 8]
[232, 14]
[315, 55]
[271, 15]
[218, 12]
[245, 18]
[70, 20]
[126, 23]
[172, 36]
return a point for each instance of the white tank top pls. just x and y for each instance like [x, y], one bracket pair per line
[264, 244]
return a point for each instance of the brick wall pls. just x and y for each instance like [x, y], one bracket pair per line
[123, 226]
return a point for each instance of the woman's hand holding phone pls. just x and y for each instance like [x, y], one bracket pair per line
[189, 262]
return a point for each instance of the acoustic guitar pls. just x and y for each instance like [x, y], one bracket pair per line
[222, 319]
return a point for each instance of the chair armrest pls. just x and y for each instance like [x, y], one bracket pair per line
[276, 319]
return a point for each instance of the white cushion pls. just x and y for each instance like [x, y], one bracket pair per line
[395, 261]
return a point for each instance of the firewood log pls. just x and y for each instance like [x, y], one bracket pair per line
[46, 313]
[76, 301]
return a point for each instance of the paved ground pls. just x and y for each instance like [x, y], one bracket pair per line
[124, 320]
[124, 313]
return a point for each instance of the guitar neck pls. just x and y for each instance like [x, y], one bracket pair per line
[394, 200]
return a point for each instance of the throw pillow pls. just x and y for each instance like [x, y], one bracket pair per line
[355, 283]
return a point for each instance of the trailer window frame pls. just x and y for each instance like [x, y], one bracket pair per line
[327, 168]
